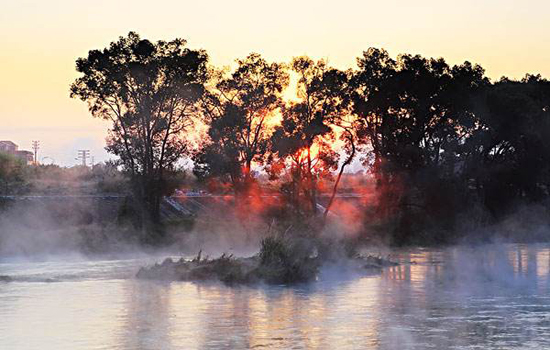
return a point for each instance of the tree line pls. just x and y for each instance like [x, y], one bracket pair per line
[439, 140]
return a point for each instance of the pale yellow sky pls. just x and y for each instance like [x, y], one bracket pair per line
[40, 41]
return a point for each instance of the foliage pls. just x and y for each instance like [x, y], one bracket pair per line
[416, 114]
[149, 92]
[238, 112]
[507, 159]
[273, 250]
[279, 262]
[441, 142]
[303, 141]
[13, 174]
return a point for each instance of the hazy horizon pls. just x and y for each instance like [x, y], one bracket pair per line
[37, 60]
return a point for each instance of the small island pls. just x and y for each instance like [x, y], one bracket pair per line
[280, 261]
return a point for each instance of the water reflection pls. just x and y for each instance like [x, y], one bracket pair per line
[146, 316]
[461, 297]
[59, 316]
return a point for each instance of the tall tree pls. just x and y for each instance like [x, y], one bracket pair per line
[411, 108]
[508, 156]
[149, 92]
[306, 134]
[415, 113]
[238, 111]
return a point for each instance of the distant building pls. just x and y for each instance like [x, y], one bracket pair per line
[8, 147]
[27, 156]
[12, 148]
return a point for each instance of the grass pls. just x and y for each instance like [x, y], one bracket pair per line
[280, 261]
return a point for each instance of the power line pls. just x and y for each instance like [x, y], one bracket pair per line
[83, 154]
[36, 147]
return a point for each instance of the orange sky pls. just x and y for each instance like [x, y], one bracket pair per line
[40, 41]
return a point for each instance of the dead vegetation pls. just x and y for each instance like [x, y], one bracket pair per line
[280, 261]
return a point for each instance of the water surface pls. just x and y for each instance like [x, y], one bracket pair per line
[489, 297]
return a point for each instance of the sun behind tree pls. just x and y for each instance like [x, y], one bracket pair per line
[149, 91]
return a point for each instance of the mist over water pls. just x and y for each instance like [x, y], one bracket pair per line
[483, 297]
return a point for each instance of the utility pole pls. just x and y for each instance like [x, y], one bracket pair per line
[35, 147]
[83, 154]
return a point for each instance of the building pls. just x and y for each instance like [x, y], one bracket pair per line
[11, 148]
[8, 147]
[27, 156]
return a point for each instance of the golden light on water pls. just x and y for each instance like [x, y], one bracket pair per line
[406, 304]
[543, 266]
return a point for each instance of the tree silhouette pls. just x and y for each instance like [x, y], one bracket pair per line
[305, 136]
[149, 92]
[439, 139]
[508, 157]
[238, 112]
[415, 113]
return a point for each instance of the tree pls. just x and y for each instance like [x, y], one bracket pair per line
[13, 174]
[149, 91]
[507, 158]
[238, 111]
[416, 114]
[305, 136]
[409, 110]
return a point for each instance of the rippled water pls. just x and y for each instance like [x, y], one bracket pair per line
[490, 297]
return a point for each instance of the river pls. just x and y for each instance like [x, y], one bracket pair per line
[484, 297]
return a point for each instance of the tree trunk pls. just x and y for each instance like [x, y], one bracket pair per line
[337, 182]
[312, 184]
